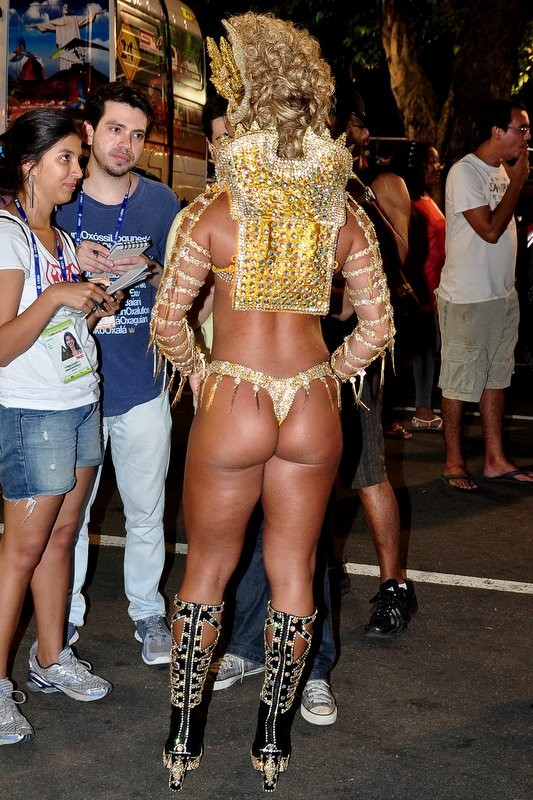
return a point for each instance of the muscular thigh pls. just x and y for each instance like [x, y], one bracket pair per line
[236, 449]
[299, 478]
[232, 436]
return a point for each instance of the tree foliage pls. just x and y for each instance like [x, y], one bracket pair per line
[438, 58]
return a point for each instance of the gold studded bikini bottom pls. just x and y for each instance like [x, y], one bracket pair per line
[282, 391]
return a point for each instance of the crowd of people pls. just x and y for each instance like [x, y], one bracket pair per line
[365, 262]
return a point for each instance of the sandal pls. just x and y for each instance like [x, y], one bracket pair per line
[396, 431]
[466, 477]
[434, 424]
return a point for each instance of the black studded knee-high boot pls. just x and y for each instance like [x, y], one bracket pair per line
[271, 748]
[189, 665]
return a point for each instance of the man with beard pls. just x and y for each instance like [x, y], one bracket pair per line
[115, 205]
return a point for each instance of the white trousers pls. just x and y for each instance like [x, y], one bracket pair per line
[140, 450]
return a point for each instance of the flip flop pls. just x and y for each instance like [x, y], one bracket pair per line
[434, 424]
[396, 431]
[465, 476]
[510, 477]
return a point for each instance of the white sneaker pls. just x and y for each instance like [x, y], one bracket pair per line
[318, 704]
[156, 640]
[70, 676]
[14, 727]
[230, 669]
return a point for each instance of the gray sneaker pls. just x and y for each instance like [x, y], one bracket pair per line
[71, 676]
[230, 669]
[14, 727]
[318, 704]
[155, 636]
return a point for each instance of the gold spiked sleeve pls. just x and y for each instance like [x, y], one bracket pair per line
[184, 274]
[368, 292]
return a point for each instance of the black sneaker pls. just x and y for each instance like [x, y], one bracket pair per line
[393, 608]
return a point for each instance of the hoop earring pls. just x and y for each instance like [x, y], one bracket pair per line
[32, 192]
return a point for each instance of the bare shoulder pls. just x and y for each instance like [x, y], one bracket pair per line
[354, 234]
[390, 188]
[201, 216]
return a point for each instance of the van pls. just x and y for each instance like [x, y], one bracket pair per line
[55, 53]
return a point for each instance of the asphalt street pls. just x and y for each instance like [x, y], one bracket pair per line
[445, 711]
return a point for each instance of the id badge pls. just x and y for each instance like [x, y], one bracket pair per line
[67, 355]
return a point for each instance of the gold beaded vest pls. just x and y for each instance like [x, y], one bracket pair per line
[289, 213]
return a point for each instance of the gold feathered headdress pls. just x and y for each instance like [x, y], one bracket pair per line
[228, 73]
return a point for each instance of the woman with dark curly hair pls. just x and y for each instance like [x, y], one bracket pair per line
[418, 164]
[273, 230]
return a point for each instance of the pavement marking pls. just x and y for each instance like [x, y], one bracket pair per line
[465, 581]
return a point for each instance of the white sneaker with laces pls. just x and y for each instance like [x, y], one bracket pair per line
[14, 727]
[230, 669]
[156, 640]
[70, 676]
[318, 704]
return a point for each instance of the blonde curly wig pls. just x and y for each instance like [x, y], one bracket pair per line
[291, 85]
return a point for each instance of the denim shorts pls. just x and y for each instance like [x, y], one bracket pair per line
[40, 450]
[478, 343]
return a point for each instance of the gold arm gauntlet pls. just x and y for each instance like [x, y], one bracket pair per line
[347, 366]
[179, 350]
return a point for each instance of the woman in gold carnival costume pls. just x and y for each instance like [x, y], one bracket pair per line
[273, 230]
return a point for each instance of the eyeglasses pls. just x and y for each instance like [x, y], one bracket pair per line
[355, 125]
[522, 129]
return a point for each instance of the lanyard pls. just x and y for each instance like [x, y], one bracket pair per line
[118, 226]
[36, 260]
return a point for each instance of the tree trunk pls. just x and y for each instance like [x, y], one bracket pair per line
[485, 67]
[417, 101]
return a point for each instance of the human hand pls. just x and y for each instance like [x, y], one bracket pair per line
[84, 296]
[92, 257]
[119, 266]
[110, 305]
[195, 381]
[518, 169]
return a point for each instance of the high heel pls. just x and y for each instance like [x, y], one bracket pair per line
[271, 749]
[189, 665]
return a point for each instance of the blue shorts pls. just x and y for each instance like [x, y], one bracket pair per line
[40, 450]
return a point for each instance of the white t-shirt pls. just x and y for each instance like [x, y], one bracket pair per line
[476, 271]
[31, 380]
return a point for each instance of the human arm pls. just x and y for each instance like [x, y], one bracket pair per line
[203, 304]
[489, 223]
[394, 206]
[367, 291]
[184, 275]
[18, 332]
